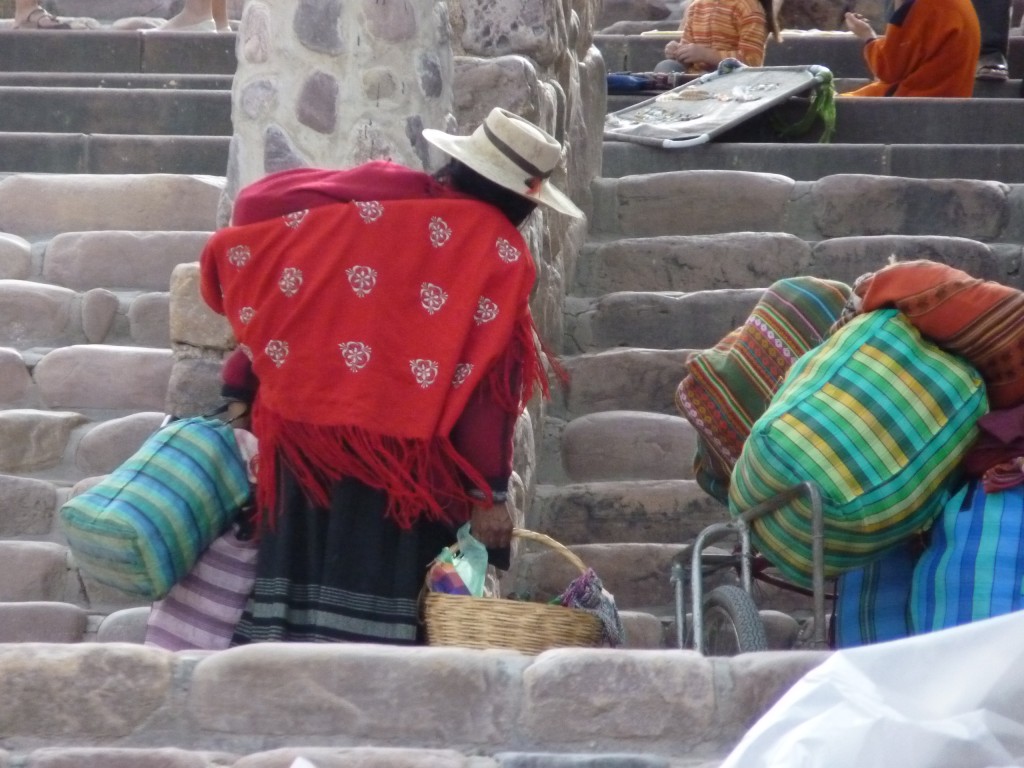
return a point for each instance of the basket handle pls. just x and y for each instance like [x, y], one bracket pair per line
[540, 538]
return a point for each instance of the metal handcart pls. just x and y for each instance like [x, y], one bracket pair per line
[727, 620]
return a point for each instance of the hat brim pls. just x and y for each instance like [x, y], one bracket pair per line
[463, 149]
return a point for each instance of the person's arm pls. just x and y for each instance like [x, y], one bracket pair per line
[483, 436]
[672, 50]
[890, 57]
[209, 277]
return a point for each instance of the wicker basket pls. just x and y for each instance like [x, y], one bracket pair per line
[482, 622]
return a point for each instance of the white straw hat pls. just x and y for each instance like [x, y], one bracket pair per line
[513, 153]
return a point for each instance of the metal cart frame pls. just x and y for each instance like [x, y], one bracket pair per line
[740, 528]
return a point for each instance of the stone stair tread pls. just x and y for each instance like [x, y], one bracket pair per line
[623, 378]
[116, 80]
[660, 512]
[628, 445]
[183, 112]
[669, 264]
[124, 202]
[809, 162]
[112, 154]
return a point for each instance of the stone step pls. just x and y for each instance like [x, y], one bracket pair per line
[689, 263]
[627, 445]
[109, 51]
[842, 205]
[133, 111]
[34, 315]
[683, 709]
[37, 571]
[639, 512]
[631, 379]
[42, 622]
[637, 573]
[38, 207]
[655, 320]
[328, 757]
[59, 448]
[73, 153]
[841, 52]
[810, 162]
[147, 80]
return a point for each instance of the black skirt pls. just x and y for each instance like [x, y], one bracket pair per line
[342, 573]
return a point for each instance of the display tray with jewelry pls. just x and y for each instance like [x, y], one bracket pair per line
[697, 111]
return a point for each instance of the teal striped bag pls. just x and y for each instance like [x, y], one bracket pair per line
[879, 418]
[142, 528]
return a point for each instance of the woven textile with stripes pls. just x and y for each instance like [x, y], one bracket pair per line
[871, 602]
[879, 418]
[973, 567]
[728, 386]
[143, 526]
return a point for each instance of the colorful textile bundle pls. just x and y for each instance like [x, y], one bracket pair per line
[879, 418]
[142, 528]
[587, 593]
[201, 611]
[980, 320]
[729, 386]
[973, 567]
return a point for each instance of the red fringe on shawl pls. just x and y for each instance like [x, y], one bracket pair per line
[422, 478]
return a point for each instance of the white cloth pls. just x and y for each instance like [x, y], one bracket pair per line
[951, 698]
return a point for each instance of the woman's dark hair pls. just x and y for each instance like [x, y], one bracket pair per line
[463, 178]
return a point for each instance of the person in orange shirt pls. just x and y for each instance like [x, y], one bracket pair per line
[930, 48]
[713, 30]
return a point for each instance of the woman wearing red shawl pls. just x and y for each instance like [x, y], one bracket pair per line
[386, 315]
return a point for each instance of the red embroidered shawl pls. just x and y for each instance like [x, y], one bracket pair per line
[369, 325]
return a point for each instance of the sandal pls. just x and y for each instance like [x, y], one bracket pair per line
[40, 18]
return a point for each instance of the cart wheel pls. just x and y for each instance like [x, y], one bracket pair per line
[732, 623]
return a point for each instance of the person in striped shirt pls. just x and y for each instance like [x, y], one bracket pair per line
[713, 30]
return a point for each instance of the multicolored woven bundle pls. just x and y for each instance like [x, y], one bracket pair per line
[728, 386]
[879, 418]
[142, 527]
[973, 567]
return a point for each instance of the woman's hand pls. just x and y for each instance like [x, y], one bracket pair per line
[492, 526]
[860, 26]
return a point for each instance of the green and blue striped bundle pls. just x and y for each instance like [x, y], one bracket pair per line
[142, 528]
[973, 568]
[879, 419]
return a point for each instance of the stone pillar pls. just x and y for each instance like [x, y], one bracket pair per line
[334, 83]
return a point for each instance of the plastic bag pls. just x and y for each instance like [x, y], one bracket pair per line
[947, 698]
[461, 572]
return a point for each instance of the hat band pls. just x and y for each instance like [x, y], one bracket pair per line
[536, 174]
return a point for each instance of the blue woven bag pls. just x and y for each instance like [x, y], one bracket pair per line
[973, 567]
[872, 602]
[142, 528]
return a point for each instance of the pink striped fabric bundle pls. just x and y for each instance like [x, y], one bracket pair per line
[200, 611]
